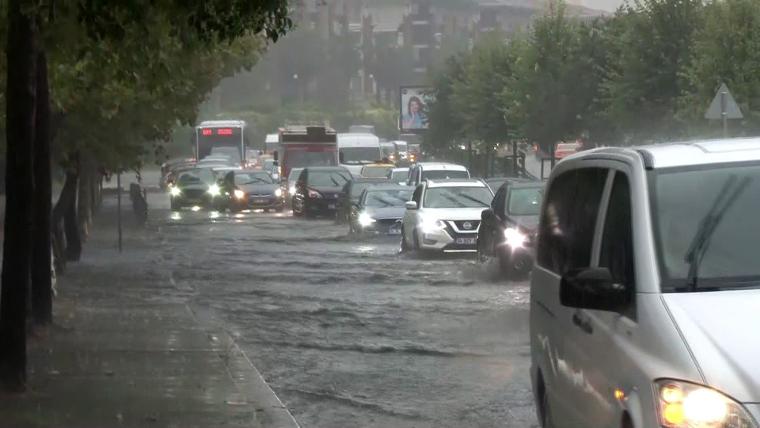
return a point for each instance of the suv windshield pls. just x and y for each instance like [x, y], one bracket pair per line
[253, 178]
[458, 197]
[681, 198]
[387, 198]
[525, 201]
[329, 178]
[442, 174]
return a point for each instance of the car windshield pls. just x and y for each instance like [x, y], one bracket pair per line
[387, 198]
[329, 178]
[525, 201]
[358, 187]
[457, 197]
[399, 176]
[243, 178]
[359, 155]
[442, 174]
[376, 171]
[681, 199]
[196, 176]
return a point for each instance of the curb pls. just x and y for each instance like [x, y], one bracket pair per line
[270, 412]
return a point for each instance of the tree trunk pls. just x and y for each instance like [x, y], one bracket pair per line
[70, 221]
[42, 298]
[20, 111]
[66, 199]
[83, 198]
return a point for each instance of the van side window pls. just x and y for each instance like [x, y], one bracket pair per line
[616, 252]
[569, 218]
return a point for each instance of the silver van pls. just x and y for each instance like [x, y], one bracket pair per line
[645, 297]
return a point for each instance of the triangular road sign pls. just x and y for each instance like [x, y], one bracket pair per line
[723, 103]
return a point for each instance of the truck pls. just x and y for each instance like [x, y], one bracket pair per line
[358, 149]
[306, 146]
[221, 137]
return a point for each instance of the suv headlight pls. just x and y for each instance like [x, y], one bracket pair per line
[214, 190]
[688, 405]
[278, 192]
[313, 194]
[431, 225]
[239, 194]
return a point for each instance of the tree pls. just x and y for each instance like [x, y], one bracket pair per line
[725, 51]
[152, 32]
[444, 127]
[651, 45]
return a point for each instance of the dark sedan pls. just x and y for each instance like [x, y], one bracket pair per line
[351, 193]
[380, 210]
[253, 190]
[196, 187]
[318, 190]
[508, 228]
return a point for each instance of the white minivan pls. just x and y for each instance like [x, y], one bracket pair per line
[645, 296]
[356, 150]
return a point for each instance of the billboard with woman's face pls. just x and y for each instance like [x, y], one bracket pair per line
[413, 109]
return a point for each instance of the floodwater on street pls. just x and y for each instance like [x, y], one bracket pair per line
[347, 331]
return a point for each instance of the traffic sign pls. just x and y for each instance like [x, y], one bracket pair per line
[723, 106]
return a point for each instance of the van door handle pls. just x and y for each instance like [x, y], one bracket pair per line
[583, 324]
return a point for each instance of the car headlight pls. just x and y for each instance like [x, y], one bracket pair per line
[365, 219]
[174, 191]
[239, 194]
[688, 405]
[214, 190]
[313, 194]
[431, 225]
[514, 237]
[278, 192]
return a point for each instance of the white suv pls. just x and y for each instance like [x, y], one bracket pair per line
[646, 289]
[444, 216]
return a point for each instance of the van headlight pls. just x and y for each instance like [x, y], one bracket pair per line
[174, 191]
[688, 405]
[365, 219]
[214, 190]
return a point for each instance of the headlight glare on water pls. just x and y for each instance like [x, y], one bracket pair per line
[688, 405]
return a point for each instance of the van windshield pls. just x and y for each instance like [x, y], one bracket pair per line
[361, 155]
[682, 199]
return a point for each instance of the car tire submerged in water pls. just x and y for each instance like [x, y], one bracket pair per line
[544, 408]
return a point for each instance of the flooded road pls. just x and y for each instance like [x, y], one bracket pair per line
[347, 331]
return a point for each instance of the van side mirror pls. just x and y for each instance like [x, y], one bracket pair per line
[276, 155]
[411, 205]
[593, 288]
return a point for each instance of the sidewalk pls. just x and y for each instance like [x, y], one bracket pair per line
[125, 351]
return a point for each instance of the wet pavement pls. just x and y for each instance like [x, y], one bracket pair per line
[346, 331]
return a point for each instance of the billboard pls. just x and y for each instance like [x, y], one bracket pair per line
[413, 108]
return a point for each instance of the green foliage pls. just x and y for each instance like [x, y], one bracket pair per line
[445, 126]
[726, 49]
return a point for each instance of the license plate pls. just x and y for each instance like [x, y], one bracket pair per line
[331, 206]
[259, 201]
[467, 241]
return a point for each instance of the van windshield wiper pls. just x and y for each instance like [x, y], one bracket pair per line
[728, 194]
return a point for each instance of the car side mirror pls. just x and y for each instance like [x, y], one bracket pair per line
[487, 214]
[411, 205]
[593, 288]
